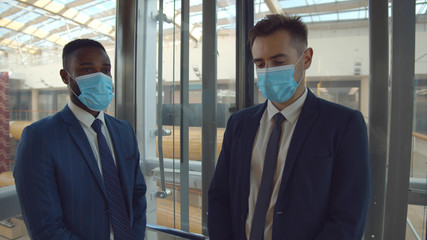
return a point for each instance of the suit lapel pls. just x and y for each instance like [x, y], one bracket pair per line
[250, 129]
[79, 136]
[306, 119]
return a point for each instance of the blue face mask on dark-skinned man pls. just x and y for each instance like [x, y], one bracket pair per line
[96, 90]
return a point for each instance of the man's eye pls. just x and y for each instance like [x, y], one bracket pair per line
[87, 70]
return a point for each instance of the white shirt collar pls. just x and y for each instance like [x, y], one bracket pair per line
[291, 112]
[83, 116]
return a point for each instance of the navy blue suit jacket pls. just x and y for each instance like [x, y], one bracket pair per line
[325, 187]
[59, 184]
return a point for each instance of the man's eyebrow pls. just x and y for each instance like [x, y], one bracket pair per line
[279, 55]
[86, 63]
[91, 64]
[273, 57]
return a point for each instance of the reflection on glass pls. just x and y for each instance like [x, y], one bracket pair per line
[339, 79]
[32, 37]
[417, 211]
[169, 208]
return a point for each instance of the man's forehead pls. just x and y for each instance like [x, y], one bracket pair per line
[279, 50]
[89, 53]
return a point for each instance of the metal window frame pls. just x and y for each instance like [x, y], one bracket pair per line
[401, 118]
[125, 77]
[184, 128]
[245, 68]
[378, 114]
[209, 103]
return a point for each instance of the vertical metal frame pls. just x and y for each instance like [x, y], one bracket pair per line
[184, 133]
[160, 19]
[378, 114]
[209, 102]
[125, 64]
[146, 38]
[146, 80]
[244, 64]
[401, 117]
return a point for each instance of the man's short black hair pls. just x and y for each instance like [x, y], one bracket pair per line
[271, 23]
[72, 46]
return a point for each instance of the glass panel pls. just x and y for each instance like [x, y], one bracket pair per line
[32, 36]
[163, 236]
[169, 209]
[339, 79]
[45, 104]
[168, 73]
[417, 210]
[338, 33]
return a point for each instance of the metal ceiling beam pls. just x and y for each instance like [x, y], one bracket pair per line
[19, 46]
[58, 30]
[197, 8]
[105, 14]
[332, 25]
[327, 7]
[35, 21]
[73, 15]
[324, 8]
[9, 12]
[78, 3]
[30, 30]
[274, 6]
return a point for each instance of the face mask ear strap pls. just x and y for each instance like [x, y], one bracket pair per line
[302, 77]
[68, 85]
[69, 74]
[303, 74]
[301, 56]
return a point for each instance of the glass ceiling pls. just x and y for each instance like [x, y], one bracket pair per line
[42, 26]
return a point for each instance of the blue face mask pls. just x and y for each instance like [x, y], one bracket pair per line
[96, 90]
[277, 84]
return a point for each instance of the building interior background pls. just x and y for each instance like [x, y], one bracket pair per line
[33, 33]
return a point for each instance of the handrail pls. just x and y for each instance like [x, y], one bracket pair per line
[9, 202]
[175, 232]
[419, 135]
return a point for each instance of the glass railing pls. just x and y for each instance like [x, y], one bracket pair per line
[10, 221]
[166, 232]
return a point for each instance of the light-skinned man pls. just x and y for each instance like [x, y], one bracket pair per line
[296, 166]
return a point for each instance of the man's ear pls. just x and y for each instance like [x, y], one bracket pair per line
[308, 56]
[64, 76]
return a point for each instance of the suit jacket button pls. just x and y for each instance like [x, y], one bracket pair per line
[242, 218]
[106, 212]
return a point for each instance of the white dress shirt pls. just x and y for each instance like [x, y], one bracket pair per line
[291, 113]
[86, 119]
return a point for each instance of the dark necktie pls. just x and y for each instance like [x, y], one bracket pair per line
[116, 201]
[266, 186]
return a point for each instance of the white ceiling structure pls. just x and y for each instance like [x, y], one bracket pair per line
[40, 28]
[35, 26]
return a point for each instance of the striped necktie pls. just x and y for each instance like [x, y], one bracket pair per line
[116, 200]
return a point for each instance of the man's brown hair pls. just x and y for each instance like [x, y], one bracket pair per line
[271, 23]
